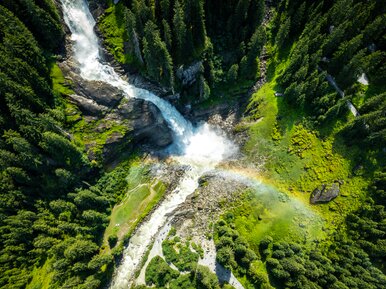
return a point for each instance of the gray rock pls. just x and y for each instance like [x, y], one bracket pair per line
[97, 7]
[106, 103]
[325, 193]
[87, 106]
[188, 75]
[100, 92]
[107, 107]
[147, 122]
[146, 127]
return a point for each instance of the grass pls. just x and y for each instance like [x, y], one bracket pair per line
[266, 211]
[41, 277]
[88, 133]
[297, 157]
[360, 92]
[141, 197]
[112, 26]
[60, 85]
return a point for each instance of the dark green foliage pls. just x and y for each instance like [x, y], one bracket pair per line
[249, 66]
[42, 214]
[206, 279]
[370, 126]
[282, 34]
[194, 15]
[330, 43]
[345, 265]
[183, 29]
[159, 273]
[179, 254]
[113, 239]
[158, 60]
[233, 251]
[233, 72]
[367, 226]
[183, 40]
[42, 19]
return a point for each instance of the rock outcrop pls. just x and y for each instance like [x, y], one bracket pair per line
[325, 193]
[97, 7]
[106, 108]
[188, 75]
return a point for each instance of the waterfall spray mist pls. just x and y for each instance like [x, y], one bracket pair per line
[201, 148]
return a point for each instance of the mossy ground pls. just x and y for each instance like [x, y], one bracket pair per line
[296, 156]
[90, 134]
[41, 277]
[142, 194]
[112, 26]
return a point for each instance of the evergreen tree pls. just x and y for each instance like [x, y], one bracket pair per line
[298, 19]
[236, 21]
[195, 18]
[344, 53]
[142, 14]
[165, 7]
[256, 13]
[183, 44]
[41, 17]
[283, 32]
[130, 26]
[232, 74]
[158, 60]
[249, 68]
[167, 35]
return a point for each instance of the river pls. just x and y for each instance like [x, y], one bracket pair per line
[202, 148]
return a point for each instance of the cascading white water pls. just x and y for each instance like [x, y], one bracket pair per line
[201, 148]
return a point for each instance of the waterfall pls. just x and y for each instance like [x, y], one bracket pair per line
[202, 148]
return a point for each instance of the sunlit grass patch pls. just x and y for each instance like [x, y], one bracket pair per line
[142, 194]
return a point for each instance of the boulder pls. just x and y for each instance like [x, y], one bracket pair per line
[146, 121]
[146, 127]
[97, 7]
[100, 92]
[87, 106]
[325, 193]
[188, 74]
[108, 107]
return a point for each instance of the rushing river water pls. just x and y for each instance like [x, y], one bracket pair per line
[202, 148]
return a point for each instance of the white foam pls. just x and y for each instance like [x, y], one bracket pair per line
[363, 79]
[201, 148]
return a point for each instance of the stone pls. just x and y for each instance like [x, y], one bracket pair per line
[188, 75]
[147, 122]
[324, 193]
[87, 106]
[100, 92]
[107, 107]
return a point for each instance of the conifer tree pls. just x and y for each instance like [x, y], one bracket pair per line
[183, 44]
[167, 34]
[232, 74]
[165, 10]
[236, 21]
[194, 17]
[256, 14]
[249, 68]
[133, 43]
[283, 32]
[158, 60]
[344, 53]
[142, 14]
